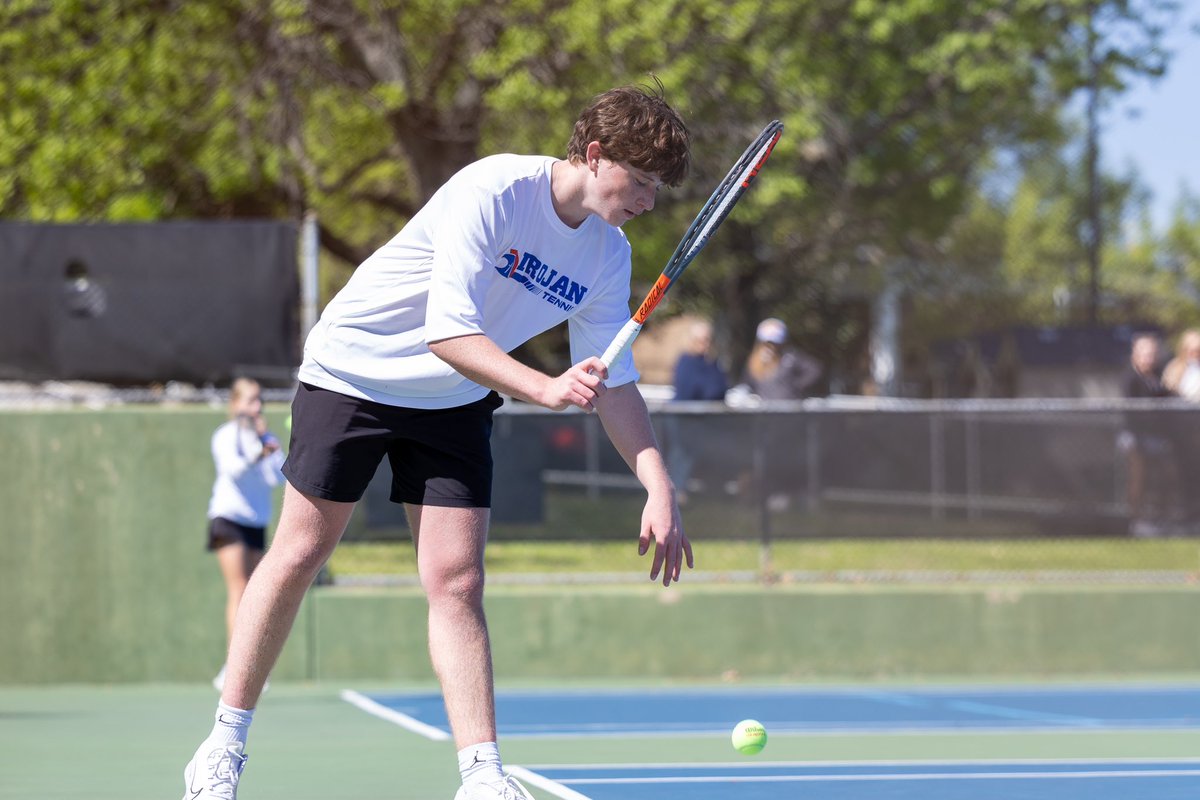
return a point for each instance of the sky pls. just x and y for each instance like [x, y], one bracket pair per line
[1155, 127]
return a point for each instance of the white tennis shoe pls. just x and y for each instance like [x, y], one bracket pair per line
[214, 772]
[507, 789]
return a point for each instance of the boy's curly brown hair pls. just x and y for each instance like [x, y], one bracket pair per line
[636, 126]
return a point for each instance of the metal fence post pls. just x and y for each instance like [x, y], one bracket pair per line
[764, 511]
[812, 447]
[591, 438]
[937, 466]
[974, 457]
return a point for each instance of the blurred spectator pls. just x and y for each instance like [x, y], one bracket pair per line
[1153, 476]
[698, 376]
[775, 371]
[1182, 377]
[248, 460]
[1182, 374]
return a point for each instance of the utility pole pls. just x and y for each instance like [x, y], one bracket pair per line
[310, 281]
[886, 313]
[1094, 238]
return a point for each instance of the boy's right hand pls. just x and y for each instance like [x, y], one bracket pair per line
[578, 386]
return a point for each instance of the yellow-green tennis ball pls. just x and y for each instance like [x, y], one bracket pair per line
[749, 737]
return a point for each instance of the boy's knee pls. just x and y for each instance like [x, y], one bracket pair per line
[302, 556]
[460, 584]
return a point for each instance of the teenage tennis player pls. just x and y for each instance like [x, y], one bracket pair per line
[407, 362]
[247, 459]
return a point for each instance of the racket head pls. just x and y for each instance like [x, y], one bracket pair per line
[728, 192]
[715, 210]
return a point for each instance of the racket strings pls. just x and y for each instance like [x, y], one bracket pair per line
[725, 204]
[719, 204]
[714, 211]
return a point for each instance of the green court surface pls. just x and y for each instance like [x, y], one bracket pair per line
[131, 742]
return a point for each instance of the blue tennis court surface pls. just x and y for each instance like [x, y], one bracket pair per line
[1020, 780]
[783, 710]
[838, 711]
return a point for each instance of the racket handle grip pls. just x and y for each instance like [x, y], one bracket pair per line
[621, 342]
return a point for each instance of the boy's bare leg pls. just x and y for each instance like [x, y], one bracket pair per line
[309, 529]
[450, 543]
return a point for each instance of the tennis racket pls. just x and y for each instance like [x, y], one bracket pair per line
[718, 206]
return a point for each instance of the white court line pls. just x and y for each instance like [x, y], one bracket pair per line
[546, 784]
[898, 776]
[1031, 716]
[868, 692]
[391, 715]
[914, 762]
[586, 731]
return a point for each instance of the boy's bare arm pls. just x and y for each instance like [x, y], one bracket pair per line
[479, 358]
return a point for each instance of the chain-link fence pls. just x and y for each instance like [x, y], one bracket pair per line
[1095, 487]
[879, 469]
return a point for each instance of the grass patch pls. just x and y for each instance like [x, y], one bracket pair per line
[583, 535]
[902, 555]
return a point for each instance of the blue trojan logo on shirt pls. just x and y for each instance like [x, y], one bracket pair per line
[542, 279]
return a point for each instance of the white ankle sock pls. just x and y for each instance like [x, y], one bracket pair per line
[480, 763]
[232, 724]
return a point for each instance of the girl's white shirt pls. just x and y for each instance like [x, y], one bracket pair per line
[242, 490]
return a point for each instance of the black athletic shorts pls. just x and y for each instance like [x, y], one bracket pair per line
[439, 457]
[223, 531]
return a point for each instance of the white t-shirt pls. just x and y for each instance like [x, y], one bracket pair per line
[487, 255]
[242, 490]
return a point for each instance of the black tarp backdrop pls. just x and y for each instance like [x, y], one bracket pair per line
[143, 303]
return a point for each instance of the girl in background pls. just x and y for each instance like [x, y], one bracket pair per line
[248, 459]
[776, 372]
[1182, 373]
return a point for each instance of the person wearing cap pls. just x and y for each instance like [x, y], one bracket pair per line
[775, 371]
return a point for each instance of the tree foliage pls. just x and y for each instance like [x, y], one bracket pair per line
[360, 109]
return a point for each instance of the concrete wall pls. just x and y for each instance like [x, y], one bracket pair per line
[800, 633]
[104, 578]
[103, 571]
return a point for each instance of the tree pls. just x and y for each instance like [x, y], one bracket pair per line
[894, 110]
[1157, 276]
[359, 109]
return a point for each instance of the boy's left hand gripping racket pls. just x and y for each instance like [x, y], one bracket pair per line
[718, 206]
